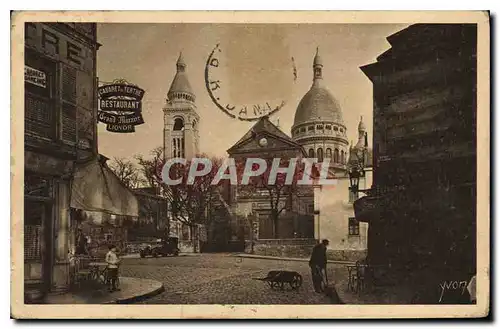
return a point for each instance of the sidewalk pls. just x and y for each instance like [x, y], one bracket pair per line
[289, 258]
[132, 289]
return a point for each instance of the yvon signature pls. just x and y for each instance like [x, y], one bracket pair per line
[452, 285]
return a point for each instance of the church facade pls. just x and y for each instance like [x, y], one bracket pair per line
[320, 129]
[292, 232]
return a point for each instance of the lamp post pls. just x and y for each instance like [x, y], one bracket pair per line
[354, 175]
[358, 169]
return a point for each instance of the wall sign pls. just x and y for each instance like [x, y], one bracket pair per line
[120, 105]
[246, 112]
[35, 77]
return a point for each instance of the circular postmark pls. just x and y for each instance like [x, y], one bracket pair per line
[244, 112]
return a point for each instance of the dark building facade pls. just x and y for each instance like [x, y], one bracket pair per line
[67, 183]
[60, 129]
[422, 206]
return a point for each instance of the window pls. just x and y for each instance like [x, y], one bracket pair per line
[319, 127]
[310, 128]
[328, 127]
[320, 154]
[336, 156]
[335, 128]
[329, 153]
[303, 130]
[317, 72]
[39, 96]
[311, 153]
[353, 226]
[341, 130]
[342, 157]
[178, 124]
[68, 115]
[310, 209]
[33, 218]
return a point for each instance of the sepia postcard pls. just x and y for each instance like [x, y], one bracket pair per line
[250, 165]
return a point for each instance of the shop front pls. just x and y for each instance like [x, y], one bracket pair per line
[53, 188]
[102, 207]
[46, 214]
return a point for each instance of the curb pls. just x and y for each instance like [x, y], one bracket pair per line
[141, 297]
[291, 259]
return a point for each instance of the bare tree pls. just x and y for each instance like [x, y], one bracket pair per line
[149, 166]
[127, 172]
[280, 194]
[189, 202]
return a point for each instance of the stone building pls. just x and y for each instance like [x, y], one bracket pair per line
[63, 170]
[295, 226]
[318, 125]
[154, 215]
[181, 140]
[422, 210]
[181, 135]
[320, 129]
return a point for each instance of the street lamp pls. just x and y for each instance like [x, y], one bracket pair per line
[354, 175]
[357, 170]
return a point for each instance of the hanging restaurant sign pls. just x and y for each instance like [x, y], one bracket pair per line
[246, 112]
[120, 105]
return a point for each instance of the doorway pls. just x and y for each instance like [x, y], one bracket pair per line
[38, 242]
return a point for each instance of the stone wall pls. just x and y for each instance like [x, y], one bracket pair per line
[299, 248]
[292, 251]
[292, 248]
[346, 255]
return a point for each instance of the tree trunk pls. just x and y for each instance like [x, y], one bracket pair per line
[274, 218]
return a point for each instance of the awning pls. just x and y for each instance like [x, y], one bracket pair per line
[96, 188]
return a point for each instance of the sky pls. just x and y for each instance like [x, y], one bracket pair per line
[255, 67]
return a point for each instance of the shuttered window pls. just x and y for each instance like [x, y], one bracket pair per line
[39, 96]
[32, 242]
[68, 113]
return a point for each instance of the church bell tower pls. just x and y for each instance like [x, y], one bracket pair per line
[180, 132]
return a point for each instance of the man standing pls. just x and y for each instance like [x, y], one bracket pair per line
[81, 243]
[318, 264]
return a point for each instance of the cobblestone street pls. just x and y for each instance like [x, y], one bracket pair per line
[223, 279]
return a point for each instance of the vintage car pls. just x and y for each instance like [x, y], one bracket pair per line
[162, 247]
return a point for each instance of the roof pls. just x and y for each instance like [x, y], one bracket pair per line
[317, 58]
[148, 192]
[318, 104]
[263, 126]
[180, 83]
[361, 125]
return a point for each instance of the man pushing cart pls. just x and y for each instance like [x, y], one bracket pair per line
[317, 263]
